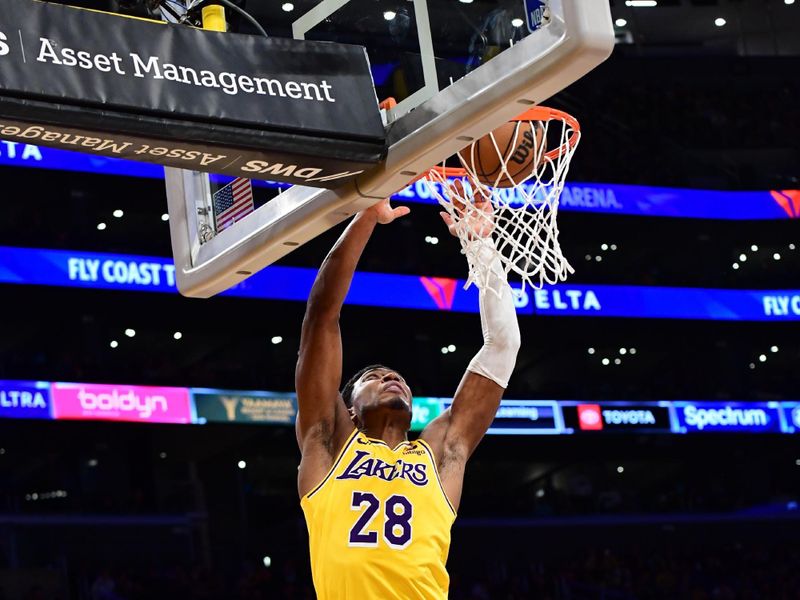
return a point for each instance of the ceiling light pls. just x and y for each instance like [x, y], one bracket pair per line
[620, 22]
[118, 213]
[242, 464]
[517, 22]
[445, 350]
[719, 22]
[588, 257]
[591, 350]
[101, 226]
[776, 256]
[606, 362]
[623, 350]
[451, 348]
[540, 493]
[613, 246]
[287, 7]
[754, 248]
[752, 365]
[788, 1]
[92, 462]
[762, 358]
[598, 258]
[177, 335]
[604, 247]
[165, 217]
[162, 455]
[620, 469]
[389, 15]
[633, 350]
[465, 1]
[735, 266]
[641, 3]
[276, 339]
[617, 361]
[791, 246]
[743, 257]
[267, 561]
[114, 343]
[130, 332]
[773, 349]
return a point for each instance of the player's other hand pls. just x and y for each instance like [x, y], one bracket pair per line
[385, 214]
[476, 220]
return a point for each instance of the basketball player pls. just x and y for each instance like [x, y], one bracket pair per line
[378, 507]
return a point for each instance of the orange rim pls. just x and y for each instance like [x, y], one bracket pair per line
[537, 113]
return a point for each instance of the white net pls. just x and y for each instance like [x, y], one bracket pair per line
[513, 209]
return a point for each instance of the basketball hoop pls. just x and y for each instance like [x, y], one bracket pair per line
[523, 218]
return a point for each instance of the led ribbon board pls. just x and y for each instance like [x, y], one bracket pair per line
[280, 109]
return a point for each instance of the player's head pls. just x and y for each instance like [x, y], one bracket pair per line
[377, 387]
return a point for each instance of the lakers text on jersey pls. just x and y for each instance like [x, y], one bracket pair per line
[379, 524]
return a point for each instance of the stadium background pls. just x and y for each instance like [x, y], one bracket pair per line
[145, 510]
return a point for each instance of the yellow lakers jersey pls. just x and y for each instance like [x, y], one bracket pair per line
[379, 524]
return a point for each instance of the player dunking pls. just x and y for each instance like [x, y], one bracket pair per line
[379, 508]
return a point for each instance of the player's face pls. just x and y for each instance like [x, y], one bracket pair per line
[381, 388]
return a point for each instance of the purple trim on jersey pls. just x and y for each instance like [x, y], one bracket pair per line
[335, 464]
[429, 450]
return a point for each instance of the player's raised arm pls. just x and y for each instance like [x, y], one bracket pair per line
[319, 366]
[456, 433]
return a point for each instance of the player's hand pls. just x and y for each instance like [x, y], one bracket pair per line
[385, 213]
[476, 220]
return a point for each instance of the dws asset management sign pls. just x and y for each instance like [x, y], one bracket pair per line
[279, 109]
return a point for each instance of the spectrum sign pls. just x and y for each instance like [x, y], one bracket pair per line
[750, 417]
[84, 401]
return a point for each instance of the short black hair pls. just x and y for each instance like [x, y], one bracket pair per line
[347, 390]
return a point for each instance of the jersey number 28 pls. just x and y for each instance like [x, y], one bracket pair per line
[396, 523]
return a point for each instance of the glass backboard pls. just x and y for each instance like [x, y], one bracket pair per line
[457, 71]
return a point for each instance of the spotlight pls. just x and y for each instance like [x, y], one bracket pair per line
[762, 358]
[267, 561]
[606, 362]
[613, 246]
[118, 213]
[517, 22]
[773, 349]
[276, 339]
[162, 455]
[735, 266]
[603, 247]
[591, 350]
[445, 350]
[165, 217]
[540, 493]
[130, 332]
[101, 226]
[287, 7]
[632, 350]
[451, 348]
[620, 22]
[620, 469]
[617, 361]
[242, 464]
[742, 257]
[598, 258]
[719, 22]
[641, 3]
[754, 248]
[776, 256]
[389, 15]
[114, 343]
[177, 335]
[92, 462]
[752, 366]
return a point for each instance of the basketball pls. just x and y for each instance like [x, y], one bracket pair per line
[517, 145]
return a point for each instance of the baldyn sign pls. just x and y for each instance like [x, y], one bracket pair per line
[286, 110]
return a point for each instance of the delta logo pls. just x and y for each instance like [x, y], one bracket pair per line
[441, 289]
[590, 417]
[789, 201]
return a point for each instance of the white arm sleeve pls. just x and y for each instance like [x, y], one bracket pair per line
[501, 339]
